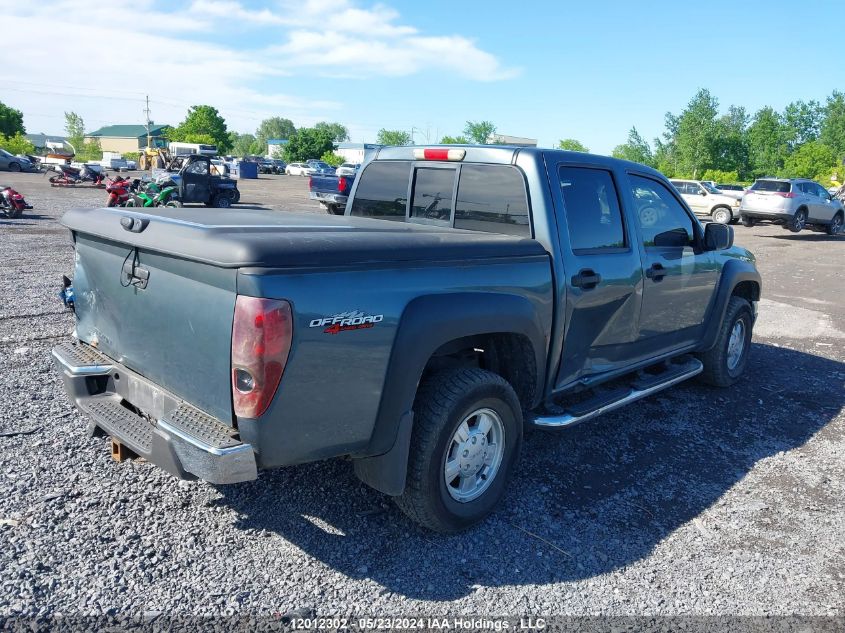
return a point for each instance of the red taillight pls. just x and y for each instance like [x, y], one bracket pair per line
[786, 194]
[261, 338]
[439, 153]
[310, 182]
[341, 184]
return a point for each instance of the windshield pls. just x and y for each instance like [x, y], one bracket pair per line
[710, 188]
[4, 152]
[777, 186]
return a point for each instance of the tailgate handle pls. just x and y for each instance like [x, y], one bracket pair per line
[136, 225]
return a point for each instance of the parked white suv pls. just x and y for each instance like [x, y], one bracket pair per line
[708, 201]
[794, 203]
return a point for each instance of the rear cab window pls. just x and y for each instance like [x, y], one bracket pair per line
[472, 196]
[771, 186]
[593, 213]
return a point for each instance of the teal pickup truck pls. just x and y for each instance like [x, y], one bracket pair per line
[468, 295]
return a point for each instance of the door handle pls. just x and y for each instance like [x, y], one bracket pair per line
[656, 272]
[586, 279]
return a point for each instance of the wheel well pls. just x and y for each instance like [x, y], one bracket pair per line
[748, 290]
[508, 354]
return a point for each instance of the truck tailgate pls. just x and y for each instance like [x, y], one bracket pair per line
[176, 330]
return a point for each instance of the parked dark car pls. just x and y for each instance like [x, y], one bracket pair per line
[468, 295]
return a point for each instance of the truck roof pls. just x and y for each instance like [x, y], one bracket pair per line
[509, 155]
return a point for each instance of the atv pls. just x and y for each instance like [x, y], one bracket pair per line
[196, 184]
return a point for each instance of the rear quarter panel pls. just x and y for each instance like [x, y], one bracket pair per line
[330, 394]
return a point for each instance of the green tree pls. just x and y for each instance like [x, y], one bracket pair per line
[335, 160]
[731, 143]
[338, 132]
[202, 122]
[767, 145]
[307, 143]
[479, 131]
[11, 121]
[276, 128]
[695, 140]
[16, 144]
[635, 149]
[811, 160]
[803, 122]
[573, 145]
[720, 176]
[246, 145]
[393, 137]
[454, 140]
[832, 132]
[75, 130]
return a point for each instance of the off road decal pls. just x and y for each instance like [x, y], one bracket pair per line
[352, 320]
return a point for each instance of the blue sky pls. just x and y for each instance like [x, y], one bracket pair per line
[547, 70]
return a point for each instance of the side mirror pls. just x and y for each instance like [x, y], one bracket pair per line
[703, 193]
[718, 237]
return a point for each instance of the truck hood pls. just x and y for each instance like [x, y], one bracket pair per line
[238, 238]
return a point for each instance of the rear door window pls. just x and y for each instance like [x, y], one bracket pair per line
[383, 190]
[771, 186]
[592, 210]
[491, 198]
[433, 194]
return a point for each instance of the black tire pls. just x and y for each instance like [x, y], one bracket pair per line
[746, 221]
[798, 221]
[221, 201]
[835, 226]
[14, 167]
[335, 209]
[717, 370]
[236, 197]
[443, 401]
[173, 204]
[721, 215]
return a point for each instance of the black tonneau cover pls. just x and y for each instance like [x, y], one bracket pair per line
[237, 238]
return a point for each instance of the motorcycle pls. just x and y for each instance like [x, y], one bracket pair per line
[12, 204]
[70, 176]
[156, 195]
[120, 191]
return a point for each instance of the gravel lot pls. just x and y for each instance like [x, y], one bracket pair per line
[695, 501]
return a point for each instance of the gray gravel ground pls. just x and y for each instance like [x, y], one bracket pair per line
[695, 501]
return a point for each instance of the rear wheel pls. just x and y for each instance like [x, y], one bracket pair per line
[14, 167]
[746, 221]
[465, 445]
[798, 221]
[173, 204]
[722, 215]
[221, 201]
[835, 225]
[726, 360]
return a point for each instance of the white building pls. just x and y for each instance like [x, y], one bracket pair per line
[355, 152]
[275, 146]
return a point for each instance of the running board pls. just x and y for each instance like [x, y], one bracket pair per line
[639, 390]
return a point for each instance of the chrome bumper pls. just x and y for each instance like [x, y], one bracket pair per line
[172, 434]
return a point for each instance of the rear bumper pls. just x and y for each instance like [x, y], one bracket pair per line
[172, 434]
[762, 214]
[329, 198]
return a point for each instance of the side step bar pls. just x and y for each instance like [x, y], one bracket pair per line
[640, 389]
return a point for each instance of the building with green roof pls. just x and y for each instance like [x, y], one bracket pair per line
[128, 138]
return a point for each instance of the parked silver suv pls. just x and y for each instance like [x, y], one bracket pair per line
[793, 202]
[708, 201]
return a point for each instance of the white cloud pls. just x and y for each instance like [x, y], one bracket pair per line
[102, 68]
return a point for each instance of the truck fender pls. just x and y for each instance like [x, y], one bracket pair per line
[734, 272]
[428, 323]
